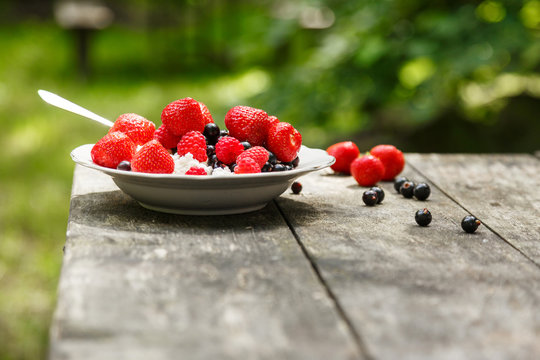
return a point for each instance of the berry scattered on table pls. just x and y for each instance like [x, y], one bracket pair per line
[152, 157]
[423, 217]
[124, 165]
[283, 141]
[370, 197]
[296, 187]
[196, 171]
[470, 223]
[345, 152]
[182, 116]
[367, 170]
[398, 182]
[138, 128]
[407, 189]
[392, 159]
[193, 142]
[380, 193]
[113, 148]
[422, 191]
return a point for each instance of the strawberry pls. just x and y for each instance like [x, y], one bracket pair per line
[247, 165]
[193, 142]
[139, 129]
[152, 157]
[112, 149]
[272, 120]
[344, 152]
[182, 116]
[227, 149]
[207, 116]
[284, 141]
[166, 138]
[257, 153]
[247, 124]
[392, 159]
[367, 170]
[194, 170]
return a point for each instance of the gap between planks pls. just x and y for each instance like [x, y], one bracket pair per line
[467, 210]
[339, 308]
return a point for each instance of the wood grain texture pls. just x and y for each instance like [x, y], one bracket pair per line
[137, 284]
[413, 292]
[501, 190]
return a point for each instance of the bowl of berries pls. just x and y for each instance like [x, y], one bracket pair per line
[188, 165]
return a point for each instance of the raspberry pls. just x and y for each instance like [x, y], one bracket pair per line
[193, 142]
[247, 165]
[207, 116]
[284, 141]
[367, 170]
[166, 138]
[139, 129]
[152, 157]
[227, 149]
[194, 170]
[344, 152]
[257, 153]
[112, 149]
[247, 124]
[392, 159]
[182, 116]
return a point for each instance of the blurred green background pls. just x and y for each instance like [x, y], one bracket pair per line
[426, 76]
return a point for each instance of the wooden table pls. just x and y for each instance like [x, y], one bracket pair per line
[312, 276]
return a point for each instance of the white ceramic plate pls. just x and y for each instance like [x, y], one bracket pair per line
[207, 195]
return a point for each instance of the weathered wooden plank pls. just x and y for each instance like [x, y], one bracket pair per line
[413, 292]
[138, 284]
[501, 190]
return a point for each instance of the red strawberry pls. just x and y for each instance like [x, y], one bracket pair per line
[152, 157]
[392, 159]
[182, 116]
[284, 141]
[166, 138]
[247, 165]
[196, 171]
[195, 143]
[227, 149]
[112, 149]
[344, 152]
[257, 153]
[367, 170]
[206, 114]
[247, 124]
[139, 129]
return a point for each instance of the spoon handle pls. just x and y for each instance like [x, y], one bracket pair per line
[62, 103]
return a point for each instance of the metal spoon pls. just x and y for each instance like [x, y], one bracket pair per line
[62, 103]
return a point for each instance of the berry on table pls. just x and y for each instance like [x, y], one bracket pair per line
[398, 182]
[392, 159]
[422, 191]
[296, 187]
[124, 165]
[345, 152]
[370, 197]
[470, 223]
[367, 170]
[423, 217]
[380, 193]
[407, 189]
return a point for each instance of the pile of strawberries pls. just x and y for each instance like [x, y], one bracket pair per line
[254, 142]
[382, 162]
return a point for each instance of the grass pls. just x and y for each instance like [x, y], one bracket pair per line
[35, 167]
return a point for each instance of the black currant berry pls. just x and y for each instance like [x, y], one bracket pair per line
[470, 224]
[279, 167]
[210, 150]
[370, 197]
[423, 217]
[246, 145]
[124, 165]
[211, 132]
[422, 191]
[407, 189]
[380, 193]
[295, 162]
[224, 133]
[272, 158]
[232, 166]
[398, 182]
[296, 187]
[267, 167]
